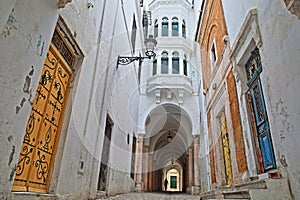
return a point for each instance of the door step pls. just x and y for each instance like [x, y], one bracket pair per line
[275, 189]
[236, 194]
[100, 194]
[31, 196]
[256, 184]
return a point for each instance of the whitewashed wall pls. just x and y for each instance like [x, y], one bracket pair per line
[22, 24]
[280, 77]
[100, 89]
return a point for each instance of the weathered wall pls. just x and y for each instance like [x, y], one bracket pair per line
[279, 30]
[110, 92]
[5, 10]
[24, 41]
[98, 89]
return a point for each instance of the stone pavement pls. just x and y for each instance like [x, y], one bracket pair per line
[154, 196]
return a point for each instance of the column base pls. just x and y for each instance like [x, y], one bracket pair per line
[139, 187]
[193, 190]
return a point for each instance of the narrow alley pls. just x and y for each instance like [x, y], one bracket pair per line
[153, 196]
[149, 99]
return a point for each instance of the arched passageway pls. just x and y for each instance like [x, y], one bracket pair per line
[168, 150]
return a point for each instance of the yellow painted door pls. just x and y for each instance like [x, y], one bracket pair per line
[226, 149]
[43, 126]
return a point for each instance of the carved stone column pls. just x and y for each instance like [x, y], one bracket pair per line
[145, 169]
[150, 178]
[139, 163]
[196, 165]
[191, 176]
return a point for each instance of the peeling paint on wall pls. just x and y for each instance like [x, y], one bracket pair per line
[40, 46]
[283, 160]
[12, 173]
[11, 156]
[27, 90]
[11, 25]
[28, 41]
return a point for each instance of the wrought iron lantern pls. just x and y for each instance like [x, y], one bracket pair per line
[150, 43]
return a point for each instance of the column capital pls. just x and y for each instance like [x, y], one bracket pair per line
[140, 137]
[196, 139]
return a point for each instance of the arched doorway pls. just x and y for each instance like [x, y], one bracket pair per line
[168, 150]
[173, 173]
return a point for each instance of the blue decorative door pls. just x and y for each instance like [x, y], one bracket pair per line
[257, 105]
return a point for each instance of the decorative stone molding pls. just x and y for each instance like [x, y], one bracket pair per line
[293, 6]
[159, 3]
[249, 29]
[169, 81]
[63, 3]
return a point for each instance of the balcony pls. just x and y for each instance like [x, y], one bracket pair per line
[169, 81]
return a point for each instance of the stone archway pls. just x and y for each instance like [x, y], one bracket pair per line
[168, 139]
[173, 172]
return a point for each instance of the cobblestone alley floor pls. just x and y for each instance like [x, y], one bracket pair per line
[154, 195]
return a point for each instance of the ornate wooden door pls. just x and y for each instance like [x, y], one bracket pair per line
[257, 106]
[262, 127]
[43, 126]
[226, 149]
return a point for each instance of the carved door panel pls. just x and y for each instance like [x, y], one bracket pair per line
[226, 149]
[43, 127]
[258, 113]
[254, 131]
[262, 126]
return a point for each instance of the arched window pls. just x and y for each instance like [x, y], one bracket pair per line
[164, 63]
[185, 70]
[175, 63]
[155, 28]
[213, 55]
[175, 27]
[154, 69]
[183, 29]
[165, 27]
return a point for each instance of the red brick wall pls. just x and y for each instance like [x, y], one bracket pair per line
[213, 27]
[236, 123]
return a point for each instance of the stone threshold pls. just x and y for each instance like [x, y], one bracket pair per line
[32, 196]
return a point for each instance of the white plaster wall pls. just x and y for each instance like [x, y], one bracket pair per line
[235, 19]
[5, 9]
[21, 59]
[280, 77]
[101, 89]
